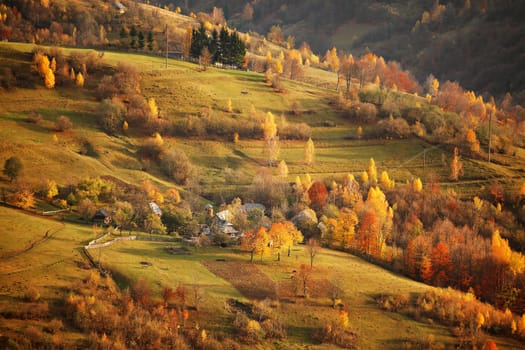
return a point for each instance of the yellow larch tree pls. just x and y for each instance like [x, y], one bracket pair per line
[372, 171]
[309, 152]
[385, 181]
[79, 80]
[417, 185]
[283, 170]
[49, 79]
[153, 107]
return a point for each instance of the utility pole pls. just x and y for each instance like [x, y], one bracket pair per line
[490, 128]
[167, 46]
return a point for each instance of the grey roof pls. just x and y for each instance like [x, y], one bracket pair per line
[155, 208]
[253, 206]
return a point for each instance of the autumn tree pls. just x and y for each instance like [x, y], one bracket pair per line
[309, 152]
[318, 195]
[302, 279]
[348, 71]
[332, 62]
[22, 196]
[284, 235]
[385, 181]
[283, 170]
[376, 223]
[12, 168]
[205, 58]
[275, 35]
[340, 231]
[417, 185]
[43, 67]
[372, 172]
[124, 215]
[79, 80]
[441, 264]
[432, 85]
[256, 242]
[313, 248]
[247, 12]
[186, 46]
[272, 147]
[472, 140]
[456, 166]
[367, 234]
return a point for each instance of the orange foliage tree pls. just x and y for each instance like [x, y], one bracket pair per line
[318, 195]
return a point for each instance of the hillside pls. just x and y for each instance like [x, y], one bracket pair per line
[187, 135]
[477, 45]
[59, 272]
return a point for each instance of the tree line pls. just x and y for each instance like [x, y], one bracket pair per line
[222, 46]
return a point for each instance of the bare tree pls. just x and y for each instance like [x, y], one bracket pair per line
[313, 248]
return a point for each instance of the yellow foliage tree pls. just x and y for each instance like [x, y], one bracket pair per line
[278, 66]
[269, 58]
[309, 152]
[79, 81]
[51, 189]
[229, 106]
[269, 126]
[522, 189]
[158, 140]
[372, 171]
[385, 181]
[434, 87]
[284, 235]
[472, 140]
[364, 178]
[49, 79]
[283, 170]
[341, 231]
[53, 65]
[153, 107]
[125, 125]
[186, 45]
[456, 166]
[417, 185]
[172, 195]
[256, 242]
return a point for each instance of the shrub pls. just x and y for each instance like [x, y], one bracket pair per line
[22, 196]
[54, 326]
[176, 164]
[365, 112]
[141, 292]
[394, 127]
[7, 78]
[372, 96]
[34, 118]
[32, 295]
[299, 131]
[393, 303]
[13, 167]
[111, 115]
[335, 334]
[63, 123]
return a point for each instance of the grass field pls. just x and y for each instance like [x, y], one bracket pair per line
[182, 90]
[234, 277]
